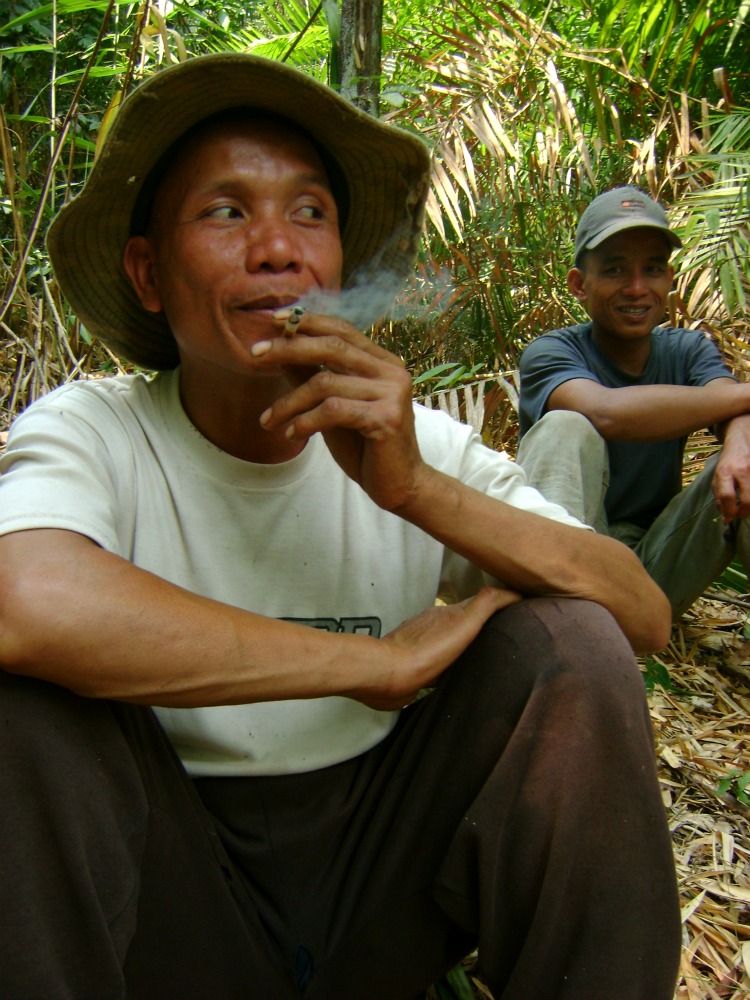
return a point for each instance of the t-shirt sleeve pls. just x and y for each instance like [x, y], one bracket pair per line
[546, 363]
[702, 359]
[58, 472]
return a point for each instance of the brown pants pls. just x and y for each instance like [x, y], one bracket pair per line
[516, 808]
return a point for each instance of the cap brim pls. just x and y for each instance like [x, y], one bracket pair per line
[622, 224]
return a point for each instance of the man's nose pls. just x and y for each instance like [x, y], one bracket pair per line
[635, 282]
[271, 245]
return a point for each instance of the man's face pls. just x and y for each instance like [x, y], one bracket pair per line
[624, 284]
[244, 223]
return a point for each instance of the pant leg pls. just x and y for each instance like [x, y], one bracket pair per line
[563, 860]
[565, 458]
[113, 882]
[688, 546]
[516, 806]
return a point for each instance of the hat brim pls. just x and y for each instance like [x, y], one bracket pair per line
[621, 225]
[386, 171]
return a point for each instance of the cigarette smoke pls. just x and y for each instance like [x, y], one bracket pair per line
[377, 291]
[377, 294]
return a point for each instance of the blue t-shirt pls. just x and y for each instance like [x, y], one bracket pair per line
[644, 476]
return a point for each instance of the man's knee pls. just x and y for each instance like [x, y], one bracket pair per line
[542, 641]
[565, 429]
[566, 459]
[558, 627]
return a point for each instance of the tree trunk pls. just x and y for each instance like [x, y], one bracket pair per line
[360, 52]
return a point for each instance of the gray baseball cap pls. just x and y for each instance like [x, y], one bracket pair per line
[618, 209]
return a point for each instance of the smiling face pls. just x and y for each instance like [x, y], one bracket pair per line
[624, 285]
[244, 223]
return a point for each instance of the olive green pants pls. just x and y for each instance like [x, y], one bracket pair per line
[686, 548]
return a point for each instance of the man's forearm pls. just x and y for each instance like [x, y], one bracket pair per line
[540, 557]
[75, 615]
[653, 412]
[86, 619]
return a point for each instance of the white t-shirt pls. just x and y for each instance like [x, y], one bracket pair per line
[117, 460]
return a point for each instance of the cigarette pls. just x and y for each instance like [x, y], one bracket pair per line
[290, 327]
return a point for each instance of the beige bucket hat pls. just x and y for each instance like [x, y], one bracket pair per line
[386, 171]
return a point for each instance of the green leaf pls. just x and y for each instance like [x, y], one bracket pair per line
[332, 12]
[13, 49]
[456, 985]
[742, 783]
[437, 370]
[735, 783]
[61, 8]
[451, 379]
[726, 783]
[656, 675]
[733, 578]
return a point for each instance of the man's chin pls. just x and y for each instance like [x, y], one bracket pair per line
[635, 326]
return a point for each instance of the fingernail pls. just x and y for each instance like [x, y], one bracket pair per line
[262, 347]
[265, 417]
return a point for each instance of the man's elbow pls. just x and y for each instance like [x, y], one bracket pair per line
[15, 643]
[33, 604]
[645, 606]
[655, 621]
[19, 631]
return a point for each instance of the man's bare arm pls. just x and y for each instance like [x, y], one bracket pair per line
[362, 405]
[538, 556]
[662, 412]
[76, 615]
[652, 412]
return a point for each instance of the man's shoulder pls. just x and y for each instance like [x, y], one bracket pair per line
[553, 343]
[91, 390]
[96, 394]
[678, 338]
[104, 407]
[686, 345]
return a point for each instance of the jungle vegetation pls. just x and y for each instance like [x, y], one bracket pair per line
[531, 108]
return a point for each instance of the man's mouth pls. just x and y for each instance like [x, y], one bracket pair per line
[266, 303]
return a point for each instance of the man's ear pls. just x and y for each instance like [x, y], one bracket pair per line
[139, 263]
[576, 278]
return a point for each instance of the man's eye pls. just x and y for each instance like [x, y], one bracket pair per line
[223, 212]
[311, 212]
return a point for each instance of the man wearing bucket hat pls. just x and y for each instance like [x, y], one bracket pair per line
[252, 541]
[606, 408]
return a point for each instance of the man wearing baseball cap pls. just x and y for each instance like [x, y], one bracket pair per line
[244, 752]
[606, 407]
